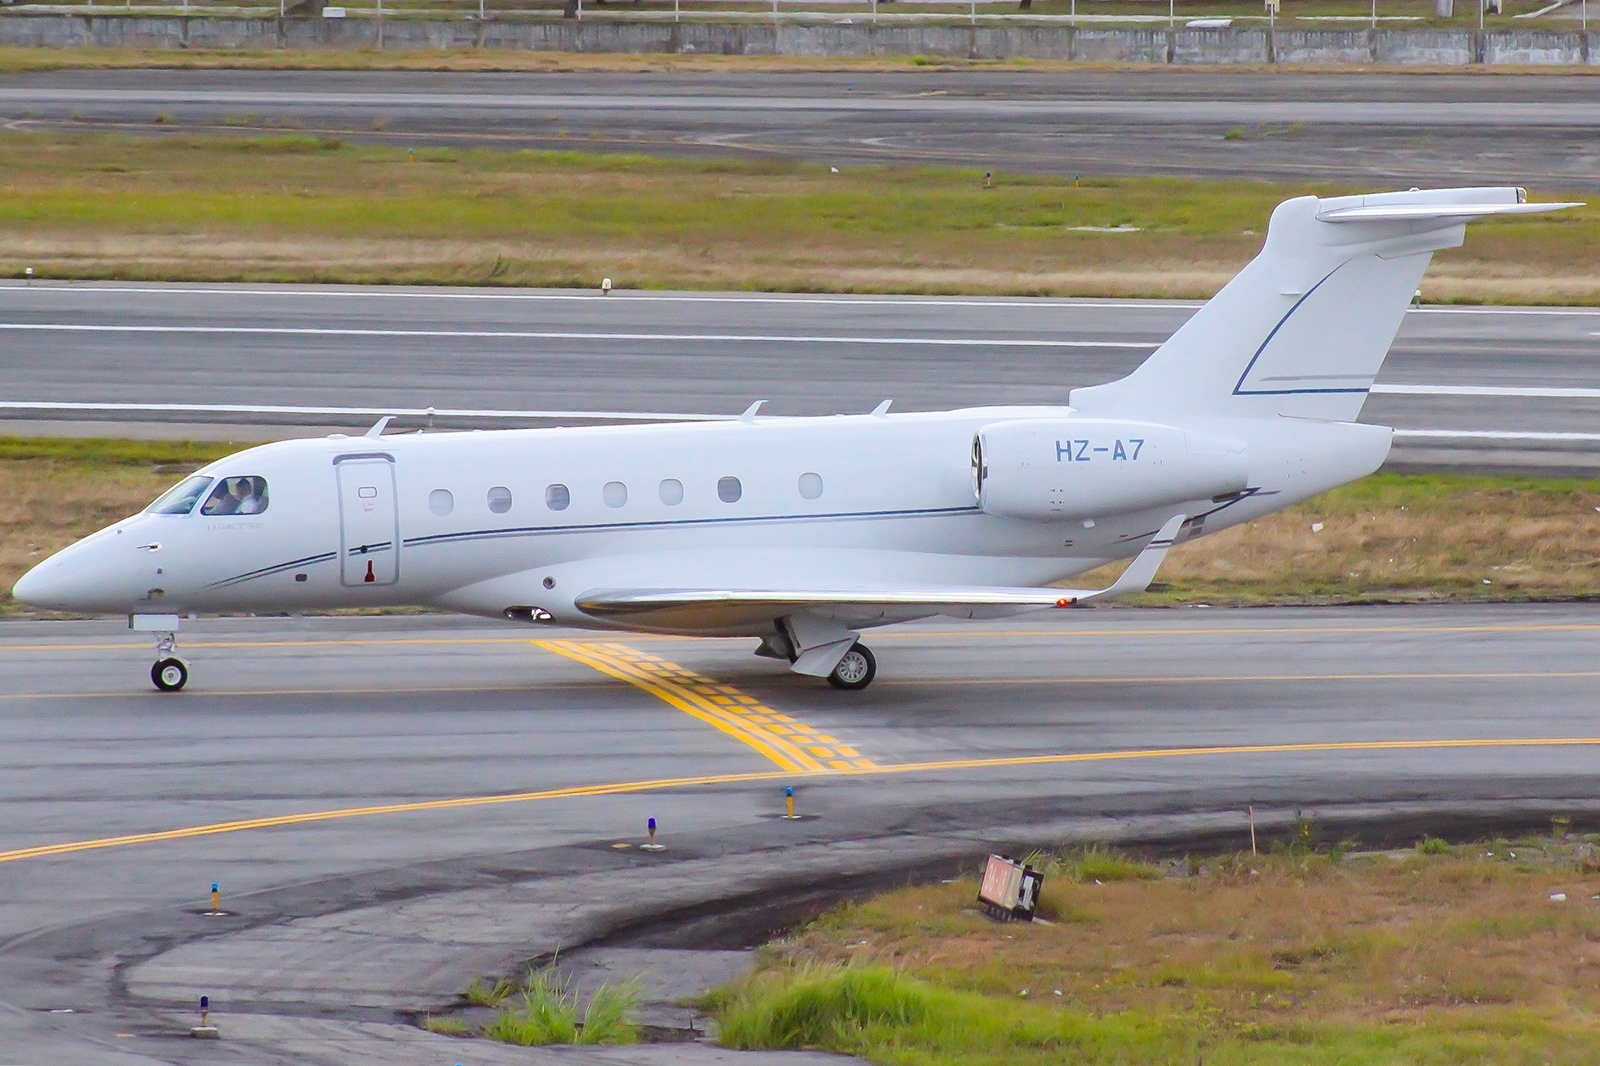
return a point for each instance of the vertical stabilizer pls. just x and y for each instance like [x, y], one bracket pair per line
[1304, 328]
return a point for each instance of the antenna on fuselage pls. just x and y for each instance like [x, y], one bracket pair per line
[379, 426]
[750, 412]
[882, 408]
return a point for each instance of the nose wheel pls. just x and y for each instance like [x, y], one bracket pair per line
[855, 671]
[170, 673]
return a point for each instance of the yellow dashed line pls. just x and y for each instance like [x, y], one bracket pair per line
[903, 634]
[1209, 679]
[688, 691]
[835, 769]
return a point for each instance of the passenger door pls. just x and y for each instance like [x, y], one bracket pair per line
[369, 520]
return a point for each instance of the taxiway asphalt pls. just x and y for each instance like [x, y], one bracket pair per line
[393, 805]
[1505, 370]
[1353, 127]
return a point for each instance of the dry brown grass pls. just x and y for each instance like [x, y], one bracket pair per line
[295, 208]
[219, 257]
[1400, 537]
[1262, 948]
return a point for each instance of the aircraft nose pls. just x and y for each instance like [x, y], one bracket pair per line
[43, 586]
[77, 578]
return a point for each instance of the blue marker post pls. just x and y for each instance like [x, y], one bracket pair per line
[788, 795]
[205, 1030]
[216, 897]
[652, 846]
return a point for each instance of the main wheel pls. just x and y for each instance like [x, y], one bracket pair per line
[169, 674]
[855, 671]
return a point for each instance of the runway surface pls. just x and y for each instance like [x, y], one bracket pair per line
[392, 805]
[1358, 128]
[1528, 371]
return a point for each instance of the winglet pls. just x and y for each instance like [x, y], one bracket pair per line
[1142, 571]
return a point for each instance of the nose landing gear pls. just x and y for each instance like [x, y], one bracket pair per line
[170, 673]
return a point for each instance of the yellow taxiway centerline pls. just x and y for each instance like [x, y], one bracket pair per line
[907, 634]
[658, 784]
[791, 744]
[532, 687]
[1185, 679]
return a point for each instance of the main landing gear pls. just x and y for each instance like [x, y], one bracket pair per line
[170, 673]
[813, 646]
[856, 670]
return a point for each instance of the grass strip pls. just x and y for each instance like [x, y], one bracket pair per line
[1475, 954]
[1386, 538]
[297, 208]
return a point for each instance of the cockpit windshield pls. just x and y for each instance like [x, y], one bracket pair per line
[237, 495]
[181, 498]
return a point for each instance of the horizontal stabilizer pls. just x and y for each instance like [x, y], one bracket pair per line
[715, 608]
[1303, 330]
[1428, 212]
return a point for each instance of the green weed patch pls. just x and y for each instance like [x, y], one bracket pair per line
[1442, 954]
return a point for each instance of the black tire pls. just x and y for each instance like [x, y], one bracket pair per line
[169, 675]
[856, 670]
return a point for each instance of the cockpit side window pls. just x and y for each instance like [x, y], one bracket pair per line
[237, 495]
[181, 498]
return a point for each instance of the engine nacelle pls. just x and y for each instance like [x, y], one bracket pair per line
[1087, 467]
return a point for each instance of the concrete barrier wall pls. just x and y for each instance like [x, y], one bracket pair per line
[1436, 48]
[946, 40]
[1534, 49]
[1322, 46]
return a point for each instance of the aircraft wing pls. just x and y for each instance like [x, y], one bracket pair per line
[721, 608]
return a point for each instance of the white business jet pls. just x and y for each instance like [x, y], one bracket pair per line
[803, 531]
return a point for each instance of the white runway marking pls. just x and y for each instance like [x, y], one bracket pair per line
[1493, 434]
[618, 296]
[363, 412]
[547, 335]
[1488, 390]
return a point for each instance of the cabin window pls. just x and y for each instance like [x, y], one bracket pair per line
[181, 498]
[729, 490]
[441, 501]
[810, 486]
[499, 499]
[556, 497]
[615, 494]
[672, 492]
[237, 495]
